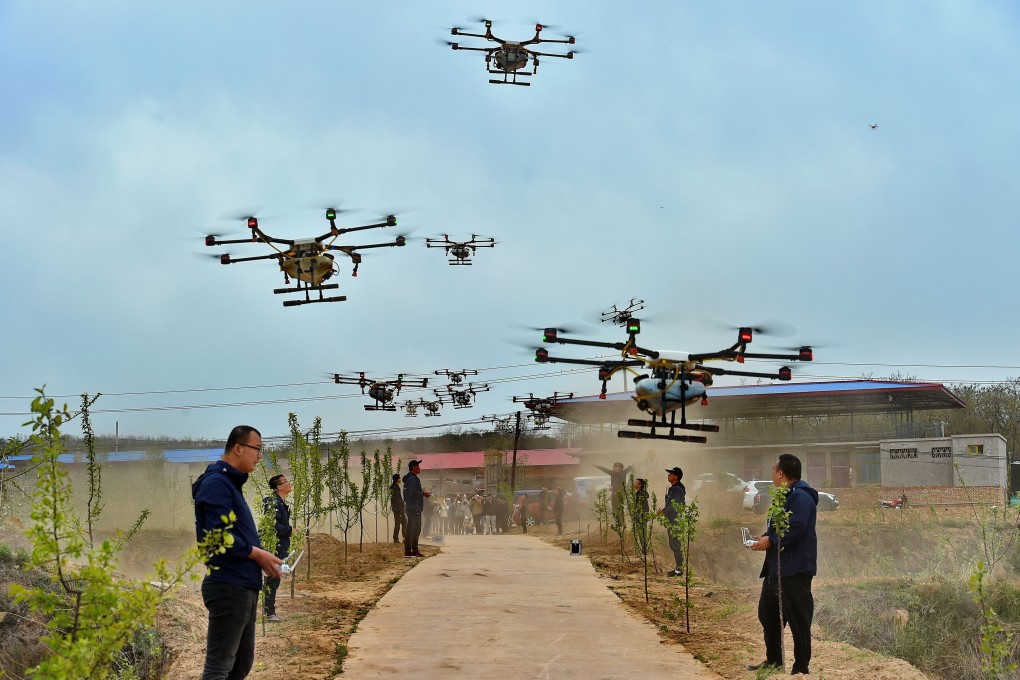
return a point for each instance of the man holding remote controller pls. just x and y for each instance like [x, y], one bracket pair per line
[799, 564]
[230, 590]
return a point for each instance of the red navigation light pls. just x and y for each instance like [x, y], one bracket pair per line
[604, 372]
[806, 354]
[253, 223]
[210, 240]
[744, 336]
[401, 241]
[541, 355]
[570, 39]
[740, 358]
[602, 396]
[225, 258]
[785, 373]
[538, 28]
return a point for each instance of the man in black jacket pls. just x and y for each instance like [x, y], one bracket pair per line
[414, 503]
[231, 588]
[676, 494]
[277, 504]
[794, 559]
[397, 506]
[617, 491]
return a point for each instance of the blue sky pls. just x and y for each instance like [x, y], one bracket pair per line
[714, 159]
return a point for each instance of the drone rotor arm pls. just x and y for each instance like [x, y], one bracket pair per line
[778, 375]
[568, 55]
[784, 357]
[253, 258]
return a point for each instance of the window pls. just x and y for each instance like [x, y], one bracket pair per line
[975, 449]
[869, 469]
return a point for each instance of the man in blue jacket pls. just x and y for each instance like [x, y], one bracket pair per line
[231, 588]
[792, 561]
[414, 503]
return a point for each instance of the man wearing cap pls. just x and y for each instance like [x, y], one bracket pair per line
[676, 492]
[414, 503]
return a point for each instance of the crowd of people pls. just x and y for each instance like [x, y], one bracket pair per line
[231, 587]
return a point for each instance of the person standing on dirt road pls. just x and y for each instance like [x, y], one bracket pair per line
[557, 507]
[414, 503]
[277, 504]
[799, 563]
[230, 590]
[676, 494]
[397, 507]
[617, 491]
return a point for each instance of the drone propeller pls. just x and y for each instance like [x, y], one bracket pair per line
[479, 19]
[241, 215]
[770, 327]
[327, 206]
[212, 256]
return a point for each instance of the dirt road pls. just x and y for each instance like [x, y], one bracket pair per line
[489, 605]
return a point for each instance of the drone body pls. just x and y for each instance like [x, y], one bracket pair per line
[461, 398]
[308, 261]
[508, 58]
[456, 377]
[460, 252]
[673, 383]
[542, 406]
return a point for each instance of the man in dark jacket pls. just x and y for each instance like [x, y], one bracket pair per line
[397, 506]
[557, 507]
[677, 493]
[231, 588]
[277, 504]
[793, 559]
[414, 503]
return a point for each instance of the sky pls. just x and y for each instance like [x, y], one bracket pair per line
[714, 159]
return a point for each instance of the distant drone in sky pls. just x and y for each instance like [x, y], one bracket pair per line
[382, 390]
[456, 377]
[461, 398]
[874, 126]
[509, 59]
[672, 383]
[620, 317]
[307, 261]
[432, 408]
[543, 406]
[460, 252]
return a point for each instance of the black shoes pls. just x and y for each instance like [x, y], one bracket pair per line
[800, 671]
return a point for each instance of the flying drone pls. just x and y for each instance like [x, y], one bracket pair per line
[673, 383]
[432, 408]
[620, 317]
[460, 252]
[456, 377]
[410, 408]
[538, 421]
[509, 58]
[307, 261]
[382, 390]
[543, 406]
[461, 398]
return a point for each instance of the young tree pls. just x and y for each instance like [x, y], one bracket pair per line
[90, 616]
[779, 519]
[343, 492]
[684, 528]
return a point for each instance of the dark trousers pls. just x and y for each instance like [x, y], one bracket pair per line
[798, 610]
[412, 532]
[269, 605]
[399, 521]
[559, 523]
[678, 551]
[478, 523]
[230, 641]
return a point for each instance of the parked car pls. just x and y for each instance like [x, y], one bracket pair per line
[725, 481]
[758, 499]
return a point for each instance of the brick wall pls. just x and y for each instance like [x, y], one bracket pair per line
[869, 496]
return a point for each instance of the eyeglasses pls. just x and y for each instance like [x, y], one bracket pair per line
[257, 448]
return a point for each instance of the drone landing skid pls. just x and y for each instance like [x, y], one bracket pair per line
[294, 303]
[693, 439]
[387, 407]
[324, 286]
[697, 427]
[459, 262]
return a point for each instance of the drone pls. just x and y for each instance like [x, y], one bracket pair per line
[432, 408]
[456, 377]
[460, 252]
[307, 261]
[382, 390]
[620, 317]
[672, 383]
[539, 421]
[410, 408]
[874, 126]
[508, 58]
[542, 406]
[463, 398]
